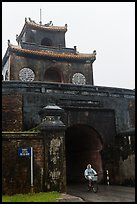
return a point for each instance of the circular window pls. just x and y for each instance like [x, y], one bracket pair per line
[26, 74]
[78, 78]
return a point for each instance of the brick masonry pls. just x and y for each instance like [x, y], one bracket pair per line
[48, 162]
[12, 112]
[106, 110]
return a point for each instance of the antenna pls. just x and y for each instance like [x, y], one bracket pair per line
[40, 18]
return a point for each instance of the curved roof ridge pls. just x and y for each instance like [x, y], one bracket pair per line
[47, 27]
[83, 56]
[50, 27]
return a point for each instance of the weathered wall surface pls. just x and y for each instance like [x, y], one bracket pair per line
[12, 116]
[131, 108]
[66, 69]
[36, 95]
[127, 174]
[16, 169]
[56, 169]
[48, 163]
[107, 110]
[56, 37]
[101, 120]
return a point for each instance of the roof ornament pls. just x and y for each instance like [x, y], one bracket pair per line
[25, 20]
[33, 22]
[94, 52]
[16, 36]
[75, 49]
[49, 24]
[30, 19]
[8, 42]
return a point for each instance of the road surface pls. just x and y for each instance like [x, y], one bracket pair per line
[104, 194]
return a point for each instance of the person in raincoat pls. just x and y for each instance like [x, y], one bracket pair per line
[90, 173]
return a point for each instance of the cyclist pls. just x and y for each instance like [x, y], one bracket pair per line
[89, 174]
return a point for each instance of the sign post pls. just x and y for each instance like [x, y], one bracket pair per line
[28, 152]
[31, 170]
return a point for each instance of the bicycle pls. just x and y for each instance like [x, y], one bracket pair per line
[92, 183]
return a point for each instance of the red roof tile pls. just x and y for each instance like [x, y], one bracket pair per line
[53, 28]
[43, 27]
[79, 56]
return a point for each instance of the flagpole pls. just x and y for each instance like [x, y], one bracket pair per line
[40, 18]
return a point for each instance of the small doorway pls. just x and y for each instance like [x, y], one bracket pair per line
[52, 75]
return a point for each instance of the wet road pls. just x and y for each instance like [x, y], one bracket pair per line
[104, 194]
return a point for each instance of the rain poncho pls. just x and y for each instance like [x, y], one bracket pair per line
[89, 173]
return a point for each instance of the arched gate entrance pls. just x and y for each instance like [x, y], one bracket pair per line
[83, 145]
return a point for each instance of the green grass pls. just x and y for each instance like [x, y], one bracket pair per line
[33, 197]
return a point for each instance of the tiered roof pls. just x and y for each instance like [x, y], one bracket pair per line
[48, 53]
[51, 54]
[31, 24]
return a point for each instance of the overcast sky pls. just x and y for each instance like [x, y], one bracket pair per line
[107, 27]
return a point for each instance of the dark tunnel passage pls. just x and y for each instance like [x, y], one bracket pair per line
[83, 145]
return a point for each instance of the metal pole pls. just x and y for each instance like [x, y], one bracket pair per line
[107, 178]
[40, 18]
[41, 179]
[31, 169]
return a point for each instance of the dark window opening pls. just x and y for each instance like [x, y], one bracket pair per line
[46, 42]
[52, 75]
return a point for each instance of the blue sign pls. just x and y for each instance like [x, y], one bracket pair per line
[24, 151]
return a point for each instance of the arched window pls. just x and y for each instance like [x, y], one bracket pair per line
[46, 42]
[52, 75]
